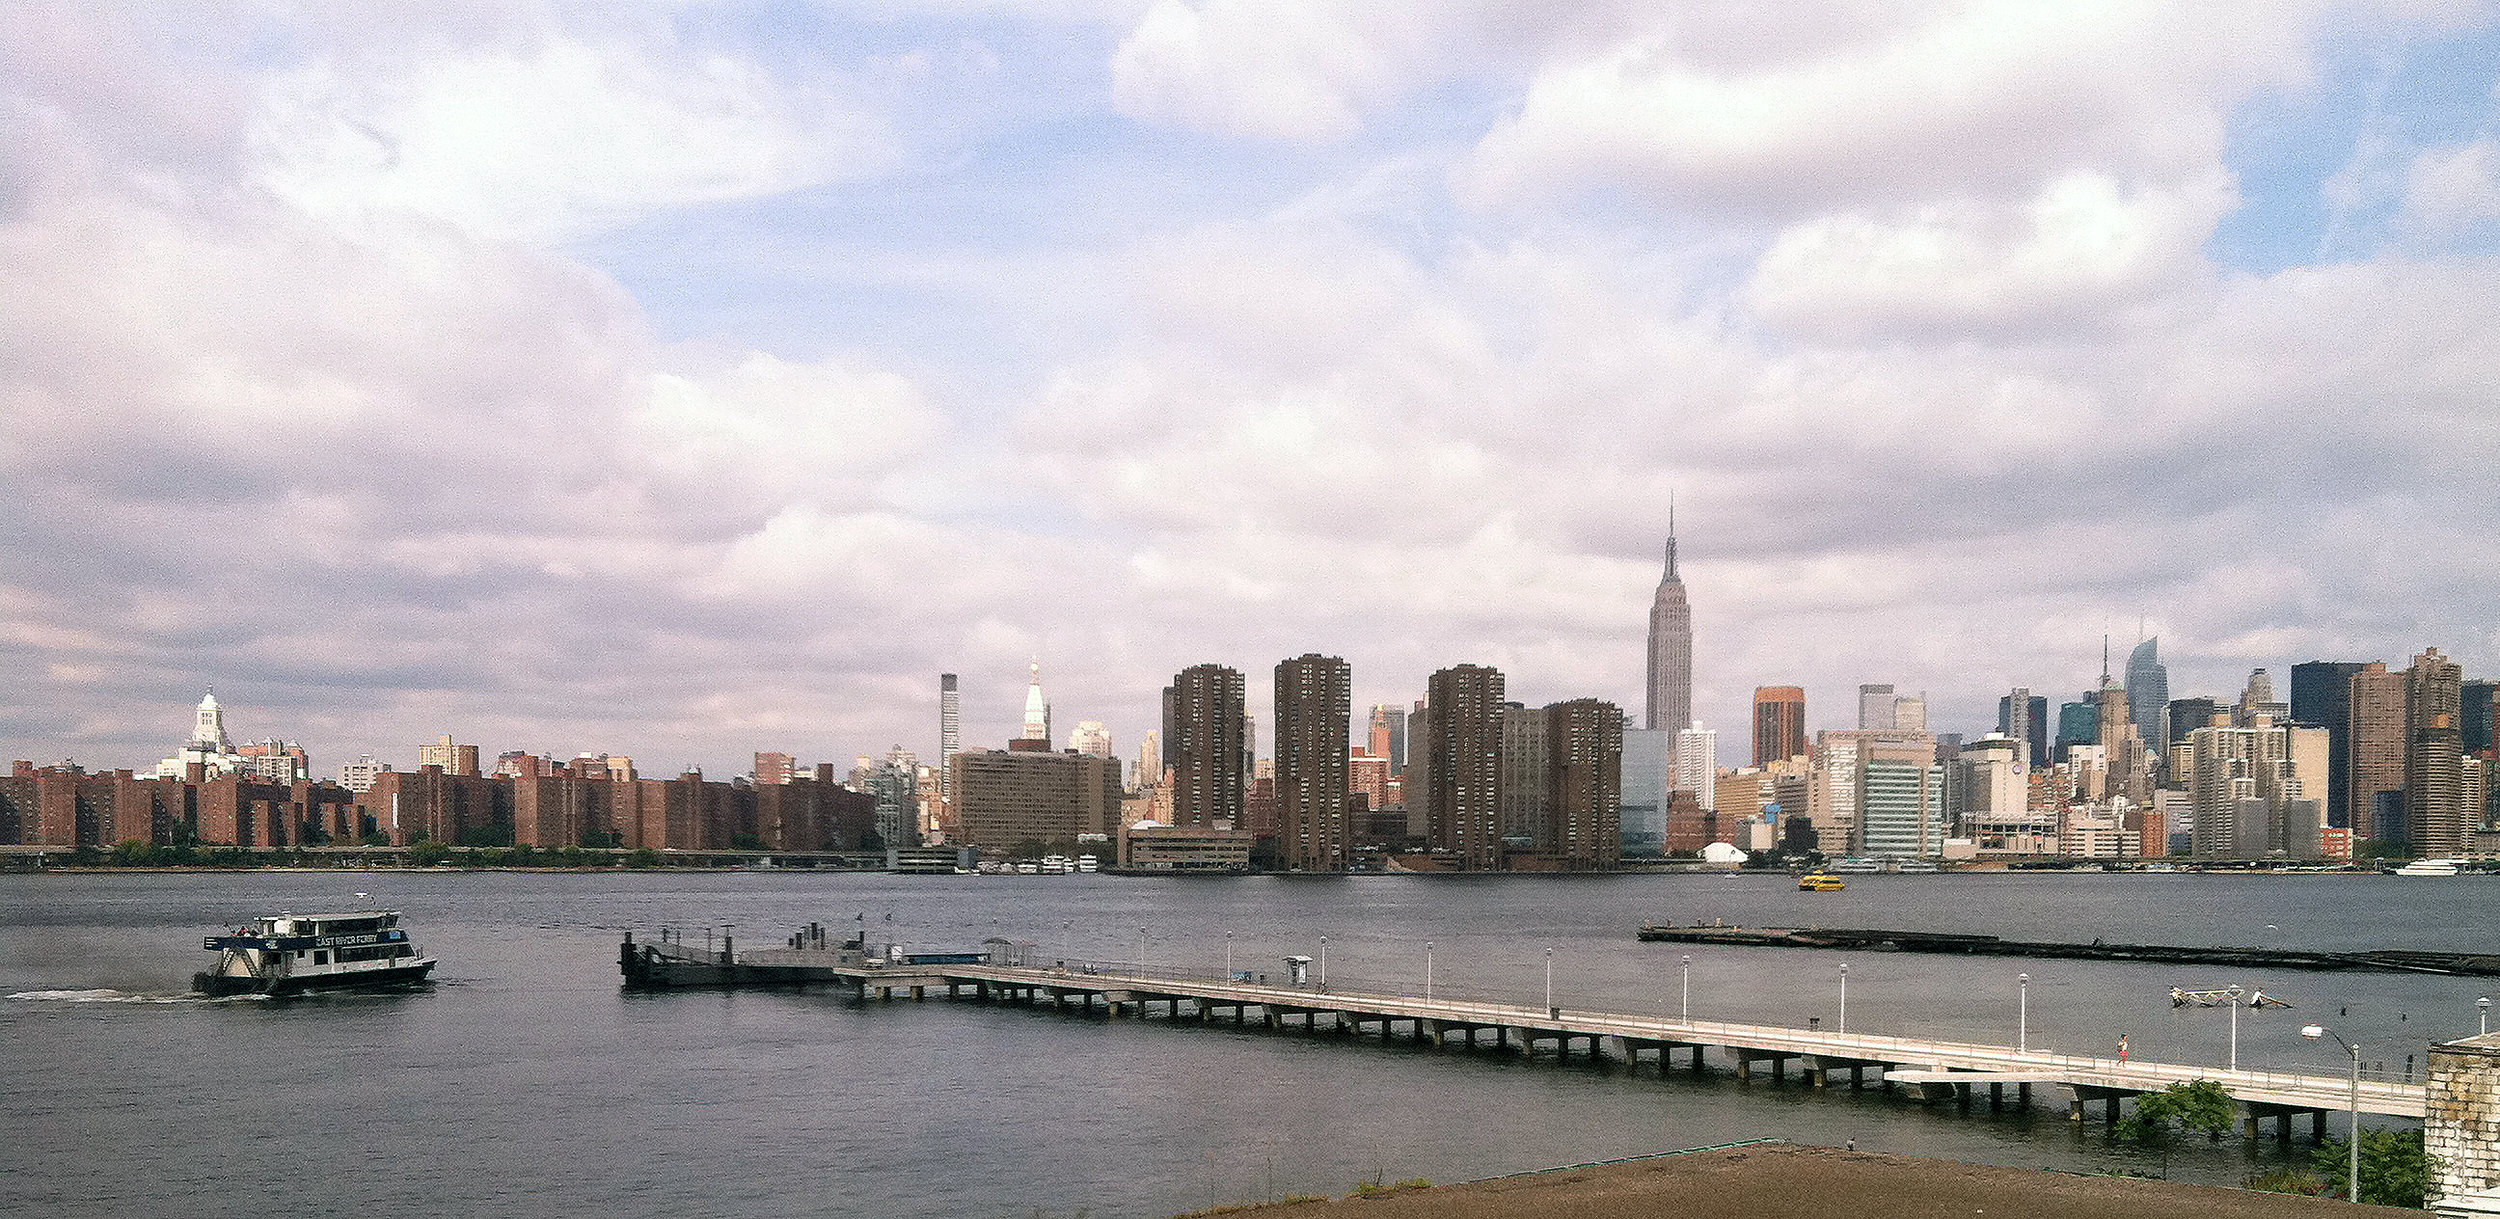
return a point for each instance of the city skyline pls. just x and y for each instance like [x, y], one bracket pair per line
[703, 383]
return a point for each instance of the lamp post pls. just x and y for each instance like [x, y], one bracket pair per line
[1844, 997]
[1549, 981]
[1141, 951]
[1427, 971]
[1228, 957]
[1323, 962]
[2235, 1029]
[2352, 1170]
[2482, 1014]
[1688, 988]
[1065, 930]
[2022, 1026]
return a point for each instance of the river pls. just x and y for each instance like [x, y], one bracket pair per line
[524, 1080]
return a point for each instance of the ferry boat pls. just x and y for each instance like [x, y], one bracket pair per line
[1855, 866]
[290, 953]
[2432, 867]
[1088, 863]
[1820, 882]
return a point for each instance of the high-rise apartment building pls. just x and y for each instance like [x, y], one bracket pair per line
[1697, 763]
[1005, 798]
[2375, 754]
[775, 769]
[1314, 712]
[1901, 797]
[2257, 792]
[1209, 777]
[1463, 751]
[2148, 694]
[1779, 723]
[1524, 794]
[950, 734]
[1584, 748]
[454, 759]
[1670, 646]
[2436, 822]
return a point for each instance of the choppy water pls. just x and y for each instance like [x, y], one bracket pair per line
[524, 1081]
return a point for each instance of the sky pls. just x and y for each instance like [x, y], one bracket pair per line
[688, 380]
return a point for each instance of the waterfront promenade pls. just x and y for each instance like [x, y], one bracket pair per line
[1930, 1069]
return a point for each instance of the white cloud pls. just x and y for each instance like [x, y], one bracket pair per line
[1989, 97]
[551, 139]
[2081, 248]
[1299, 69]
[2448, 190]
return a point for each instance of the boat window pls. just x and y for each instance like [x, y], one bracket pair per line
[321, 957]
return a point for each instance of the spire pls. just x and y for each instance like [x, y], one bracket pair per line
[1036, 711]
[1672, 578]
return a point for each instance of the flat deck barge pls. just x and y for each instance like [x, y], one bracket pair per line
[1876, 940]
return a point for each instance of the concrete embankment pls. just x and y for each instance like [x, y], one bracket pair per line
[1950, 943]
[1785, 1181]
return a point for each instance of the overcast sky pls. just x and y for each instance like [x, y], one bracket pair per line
[686, 381]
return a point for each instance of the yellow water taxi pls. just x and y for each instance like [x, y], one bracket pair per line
[1818, 882]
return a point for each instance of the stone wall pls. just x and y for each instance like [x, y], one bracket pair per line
[2462, 1131]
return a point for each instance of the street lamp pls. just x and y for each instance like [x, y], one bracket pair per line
[1065, 929]
[2352, 1171]
[1688, 988]
[1141, 952]
[1549, 981]
[1844, 997]
[1427, 971]
[2482, 1013]
[1323, 962]
[2235, 1028]
[2022, 1027]
[1228, 956]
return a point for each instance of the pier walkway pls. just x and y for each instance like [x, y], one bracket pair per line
[1932, 1069]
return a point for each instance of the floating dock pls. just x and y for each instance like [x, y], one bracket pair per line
[1864, 940]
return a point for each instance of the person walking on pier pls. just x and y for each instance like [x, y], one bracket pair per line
[2122, 1047]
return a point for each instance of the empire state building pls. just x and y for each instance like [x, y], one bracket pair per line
[1670, 648]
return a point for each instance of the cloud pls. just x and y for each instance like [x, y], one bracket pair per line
[1293, 71]
[553, 138]
[2079, 250]
[2449, 190]
[1983, 98]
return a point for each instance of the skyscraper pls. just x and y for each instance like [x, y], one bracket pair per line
[2375, 757]
[1584, 749]
[1208, 778]
[1876, 706]
[1091, 738]
[1779, 723]
[1314, 710]
[1697, 763]
[950, 734]
[1388, 734]
[1036, 714]
[2322, 695]
[2024, 717]
[2475, 714]
[2436, 820]
[1670, 647]
[2148, 694]
[1463, 750]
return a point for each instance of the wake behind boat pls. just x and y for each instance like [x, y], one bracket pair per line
[291, 953]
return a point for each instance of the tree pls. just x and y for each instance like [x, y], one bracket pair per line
[2395, 1170]
[2198, 1105]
